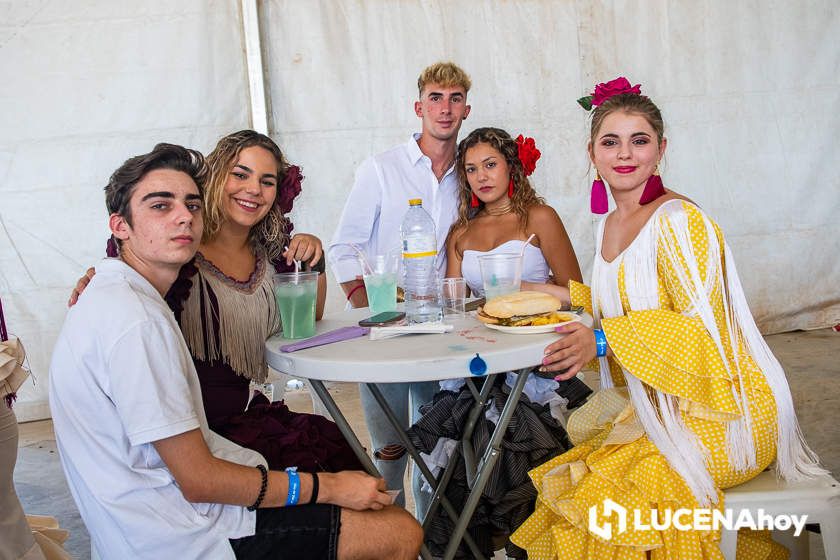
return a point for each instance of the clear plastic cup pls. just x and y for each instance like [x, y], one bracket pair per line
[295, 294]
[381, 282]
[500, 274]
[454, 294]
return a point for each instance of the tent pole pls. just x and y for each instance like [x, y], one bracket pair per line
[253, 58]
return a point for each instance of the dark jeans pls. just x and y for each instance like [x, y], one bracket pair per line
[293, 533]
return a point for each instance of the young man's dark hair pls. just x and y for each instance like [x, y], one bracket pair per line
[121, 185]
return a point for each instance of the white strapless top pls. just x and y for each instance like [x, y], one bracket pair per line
[534, 266]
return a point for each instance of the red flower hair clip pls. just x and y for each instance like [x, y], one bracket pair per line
[612, 88]
[289, 189]
[528, 153]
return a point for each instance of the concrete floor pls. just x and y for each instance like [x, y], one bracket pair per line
[810, 360]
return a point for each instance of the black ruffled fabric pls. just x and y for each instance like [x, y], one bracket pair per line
[180, 289]
[532, 438]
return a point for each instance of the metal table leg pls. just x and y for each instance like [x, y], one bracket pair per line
[443, 483]
[344, 427]
[421, 464]
[489, 459]
[353, 441]
[472, 419]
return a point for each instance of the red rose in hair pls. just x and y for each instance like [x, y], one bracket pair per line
[289, 189]
[614, 87]
[528, 153]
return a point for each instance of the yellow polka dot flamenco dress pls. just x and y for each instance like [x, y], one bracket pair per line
[691, 402]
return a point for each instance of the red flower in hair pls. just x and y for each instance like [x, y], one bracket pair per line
[289, 189]
[614, 87]
[528, 153]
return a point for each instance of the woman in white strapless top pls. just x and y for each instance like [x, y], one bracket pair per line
[498, 212]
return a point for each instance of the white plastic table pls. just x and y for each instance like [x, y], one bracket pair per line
[420, 357]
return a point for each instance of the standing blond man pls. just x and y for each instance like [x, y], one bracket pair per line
[422, 168]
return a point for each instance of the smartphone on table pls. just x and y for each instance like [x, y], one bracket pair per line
[383, 319]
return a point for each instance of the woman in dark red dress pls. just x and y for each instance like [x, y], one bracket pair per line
[225, 304]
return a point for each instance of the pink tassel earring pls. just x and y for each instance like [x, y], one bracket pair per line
[510, 187]
[653, 188]
[474, 201]
[598, 202]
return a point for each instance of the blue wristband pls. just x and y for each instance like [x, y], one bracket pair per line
[294, 486]
[600, 343]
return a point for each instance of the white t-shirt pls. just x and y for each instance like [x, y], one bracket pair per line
[121, 378]
[379, 200]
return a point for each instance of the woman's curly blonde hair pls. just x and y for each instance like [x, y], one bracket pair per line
[271, 233]
[524, 195]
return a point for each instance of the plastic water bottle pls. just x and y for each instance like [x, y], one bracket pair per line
[419, 274]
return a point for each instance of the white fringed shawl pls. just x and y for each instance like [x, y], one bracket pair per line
[659, 412]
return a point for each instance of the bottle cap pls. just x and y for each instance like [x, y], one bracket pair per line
[415, 201]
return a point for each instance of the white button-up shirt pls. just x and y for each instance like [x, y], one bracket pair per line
[379, 200]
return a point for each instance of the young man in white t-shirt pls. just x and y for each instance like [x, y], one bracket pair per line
[422, 168]
[149, 477]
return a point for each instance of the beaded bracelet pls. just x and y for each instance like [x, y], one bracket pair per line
[294, 486]
[263, 488]
[314, 498]
[600, 343]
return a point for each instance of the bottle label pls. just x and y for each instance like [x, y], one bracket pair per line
[418, 248]
[419, 255]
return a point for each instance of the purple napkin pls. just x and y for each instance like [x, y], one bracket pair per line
[337, 335]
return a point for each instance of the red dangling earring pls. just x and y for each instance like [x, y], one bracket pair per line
[653, 188]
[474, 201]
[598, 202]
[510, 187]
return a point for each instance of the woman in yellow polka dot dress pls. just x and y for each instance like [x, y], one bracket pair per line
[692, 401]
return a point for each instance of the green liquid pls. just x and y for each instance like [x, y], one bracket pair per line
[381, 292]
[296, 303]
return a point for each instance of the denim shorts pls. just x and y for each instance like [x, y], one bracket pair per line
[293, 533]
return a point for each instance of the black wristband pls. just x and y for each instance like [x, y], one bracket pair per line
[314, 498]
[319, 266]
[263, 488]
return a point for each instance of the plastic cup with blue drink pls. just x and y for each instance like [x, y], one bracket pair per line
[380, 276]
[295, 294]
[500, 274]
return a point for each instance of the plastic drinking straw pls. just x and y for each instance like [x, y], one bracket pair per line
[297, 267]
[365, 263]
[522, 252]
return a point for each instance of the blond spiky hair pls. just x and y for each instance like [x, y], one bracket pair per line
[446, 74]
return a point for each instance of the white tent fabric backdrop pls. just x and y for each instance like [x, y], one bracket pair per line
[750, 93]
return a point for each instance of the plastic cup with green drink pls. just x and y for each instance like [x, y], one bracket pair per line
[380, 276]
[295, 294]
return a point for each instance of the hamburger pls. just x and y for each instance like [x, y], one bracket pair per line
[523, 309]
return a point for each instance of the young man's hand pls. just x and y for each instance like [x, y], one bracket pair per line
[353, 490]
[80, 287]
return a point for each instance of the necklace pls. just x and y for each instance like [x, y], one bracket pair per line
[499, 211]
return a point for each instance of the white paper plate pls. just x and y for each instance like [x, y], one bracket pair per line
[530, 329]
